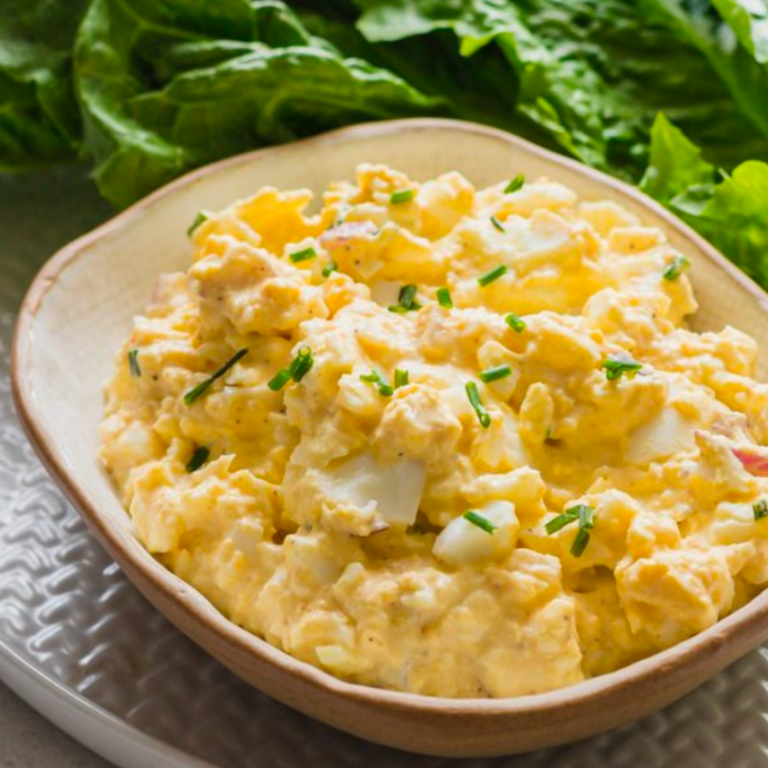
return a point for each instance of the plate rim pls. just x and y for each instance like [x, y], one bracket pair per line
[86, 721]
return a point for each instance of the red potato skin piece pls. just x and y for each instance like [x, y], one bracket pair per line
[756, 464]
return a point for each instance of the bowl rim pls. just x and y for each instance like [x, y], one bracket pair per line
[739, 625]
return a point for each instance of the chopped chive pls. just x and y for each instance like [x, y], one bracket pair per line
[496, 223]
[133, 363]
[401, 196]
[586, 516]
[330, 267]
[374, 377]
[515, 184]
[580, 542]
[301, 364]
[556, 523]
[407, 296]
[481, 522]
[760, 509]
[406, 300]
[615, 367]
[444, 298]
[401, 378]
[515, 322]
[304, 255]
[496, 373]
[297, 370]
[494, 274]
[279, 380]
[477, 404]
[679, 265]
[199, 457]
[203, 386]
[200, 218]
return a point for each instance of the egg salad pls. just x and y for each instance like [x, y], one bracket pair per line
[443, 440]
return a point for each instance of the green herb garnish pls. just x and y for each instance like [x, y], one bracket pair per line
[297, 370]
[679, 265]
[133, 363]
[481, 522]
[375, 378]
[477, 404]
[401, 196]
[580, 542]
[515, 322]
[304, 255]
[279, 380]
[201, 388]
[406, 300]
[301, 364]
[556, 523]
[201, 217]
[199, 457]
[444, 298]
[760, 509]
[494, 274]
[515, 184]
[586, 517]
[616, 367]
[401, 378]
[330, 267]
[496, 373]
[496, 223]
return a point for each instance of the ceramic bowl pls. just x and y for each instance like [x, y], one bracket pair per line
[79, 310]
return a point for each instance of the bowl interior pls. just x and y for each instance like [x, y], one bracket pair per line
[80, 310]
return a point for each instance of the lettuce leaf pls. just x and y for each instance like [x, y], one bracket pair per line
[167, 86]
[27, 138]
[39, 118]
[586, 75]
[749, 21]
[731, 213]
[735, 219]
[481, 88]
[696, 23]
[675, 165]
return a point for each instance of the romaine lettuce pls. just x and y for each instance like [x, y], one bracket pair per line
[731, 212]
[39, 118]
[168, 86]
[592, 73]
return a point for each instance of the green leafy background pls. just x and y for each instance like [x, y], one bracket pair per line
[669, 94]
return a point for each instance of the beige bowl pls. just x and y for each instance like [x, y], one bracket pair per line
[79, 309]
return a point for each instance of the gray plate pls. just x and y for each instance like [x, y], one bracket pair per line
[78, 640]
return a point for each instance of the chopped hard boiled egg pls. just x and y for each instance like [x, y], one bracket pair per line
[490, 533]
[394, 491]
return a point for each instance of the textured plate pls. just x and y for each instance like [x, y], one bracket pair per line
[79, 642]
